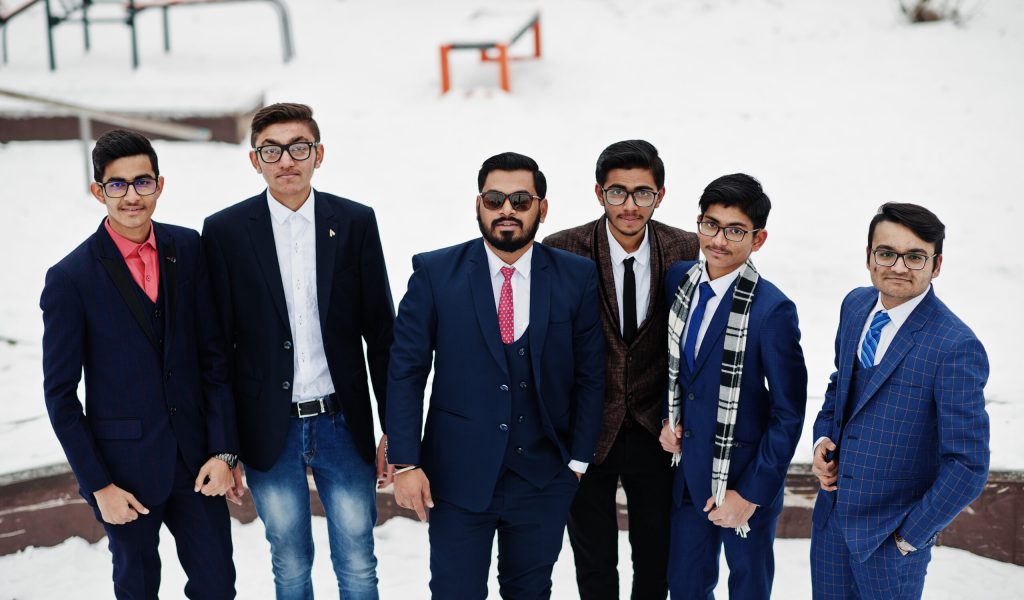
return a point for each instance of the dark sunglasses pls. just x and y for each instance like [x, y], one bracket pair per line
[521, 201]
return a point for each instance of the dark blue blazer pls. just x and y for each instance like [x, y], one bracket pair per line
[915, 450]
[354, 300]
[773, 397]
[146, 398]
[448, 319]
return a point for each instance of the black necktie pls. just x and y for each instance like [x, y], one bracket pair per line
[628, 302]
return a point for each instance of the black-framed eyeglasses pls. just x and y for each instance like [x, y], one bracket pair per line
[144, 186]
[521, 201]
[616, 196]
[915, 261]
[733, 234]
[271, 153]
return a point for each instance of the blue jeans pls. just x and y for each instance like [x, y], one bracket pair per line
[346, 486]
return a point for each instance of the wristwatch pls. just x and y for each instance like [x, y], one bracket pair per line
[903, 545]
[231, 459]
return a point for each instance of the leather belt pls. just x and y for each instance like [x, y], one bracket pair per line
[314, 406]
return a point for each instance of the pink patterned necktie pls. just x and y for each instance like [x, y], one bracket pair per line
[506, 318]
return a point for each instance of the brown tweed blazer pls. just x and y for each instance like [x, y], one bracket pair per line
[636, 374]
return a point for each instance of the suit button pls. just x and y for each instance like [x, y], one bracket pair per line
[521, 419]
[519, 450]
[287, 345]
[522, 385]
[174, 410]
[629, 397]
[503, 427]
[689, 396]
[522, 352]
[156, 314]
[687, 434]
[167, 376]
[503, 387]
[286, 386]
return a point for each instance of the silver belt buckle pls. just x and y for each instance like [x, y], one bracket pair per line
[303, 414]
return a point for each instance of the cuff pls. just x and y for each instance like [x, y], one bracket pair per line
[577, 466]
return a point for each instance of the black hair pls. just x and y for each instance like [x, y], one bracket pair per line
[283, 112]
[511, 161]
[120, 143]
[739, 190]
[630, 154]
[918, 219]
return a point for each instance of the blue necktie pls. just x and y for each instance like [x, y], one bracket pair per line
[867, 349]
[706, 293]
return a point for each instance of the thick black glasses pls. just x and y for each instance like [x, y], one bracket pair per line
[915, 261]
[521, 201]
[271, 153]
[733, 234]
[144, 186]
[616, 196]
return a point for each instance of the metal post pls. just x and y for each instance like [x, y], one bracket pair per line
[49, 35]
[85, 24]
[503, 65]
[445, 81]
[85, 133]
[286, 30]
[135, 40]
[536, 37]
[167, 29]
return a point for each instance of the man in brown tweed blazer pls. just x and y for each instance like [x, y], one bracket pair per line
[632, 253]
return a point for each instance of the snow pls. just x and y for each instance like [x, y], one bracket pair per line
[835, 107]
[404, 569]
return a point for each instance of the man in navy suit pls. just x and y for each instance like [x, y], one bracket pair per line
[513, 332]
[300, 284]
[901, 442]
[769, 404]
[156, 442]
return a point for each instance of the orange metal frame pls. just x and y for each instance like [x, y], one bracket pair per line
[501, 56]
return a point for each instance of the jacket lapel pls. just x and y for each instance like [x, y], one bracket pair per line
[168, 259]
[116, 268]
[848, 352]
[602, 257]
[483, 301]
[326, 226]
[712, 337]
[540, 308]
[261, 234]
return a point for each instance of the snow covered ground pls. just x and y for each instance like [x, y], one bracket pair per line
[836, 107]
[76, 569]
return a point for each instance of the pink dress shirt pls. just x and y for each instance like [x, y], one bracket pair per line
[142, 259]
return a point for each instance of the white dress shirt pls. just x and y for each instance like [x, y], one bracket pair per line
[641, 270]
[520, 302]
[897, 317]
[295, 240]
[720, 286]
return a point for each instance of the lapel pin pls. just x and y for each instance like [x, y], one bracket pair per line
[331, 232]
[171, 259]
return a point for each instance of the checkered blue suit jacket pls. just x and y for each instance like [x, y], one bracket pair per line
[915, 450]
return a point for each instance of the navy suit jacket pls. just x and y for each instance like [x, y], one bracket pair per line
[448, 318]
[915, 450]
[354, 300]
[146, 398]
[773, 397]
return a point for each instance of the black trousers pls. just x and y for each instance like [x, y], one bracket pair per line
[637, 459]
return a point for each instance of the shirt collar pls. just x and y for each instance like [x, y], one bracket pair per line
[720, 285]
[618, 254]
[522, 265]
[901, 313]
[124, 245]
[281, 213]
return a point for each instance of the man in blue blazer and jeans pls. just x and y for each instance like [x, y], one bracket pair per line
[156, 442]
[513, 331]
[901, 442]
[738, 388]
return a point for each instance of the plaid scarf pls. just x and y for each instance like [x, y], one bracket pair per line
[732, 368]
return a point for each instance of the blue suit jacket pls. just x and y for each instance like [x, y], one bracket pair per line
[773, 397]
[448, 318]
[915, 450]
[354, 301]
[145, 397]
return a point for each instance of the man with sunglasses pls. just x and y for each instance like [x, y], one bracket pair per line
[301, 285]
[156, 441]
[901, 442]
[632, 253]
[512, 331]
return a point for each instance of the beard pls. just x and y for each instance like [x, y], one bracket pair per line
[507, 241]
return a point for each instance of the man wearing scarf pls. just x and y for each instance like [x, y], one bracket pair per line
[737, 387]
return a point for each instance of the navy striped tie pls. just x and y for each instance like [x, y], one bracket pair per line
[867, 349]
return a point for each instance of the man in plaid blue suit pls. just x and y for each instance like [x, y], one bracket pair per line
[901, 443]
